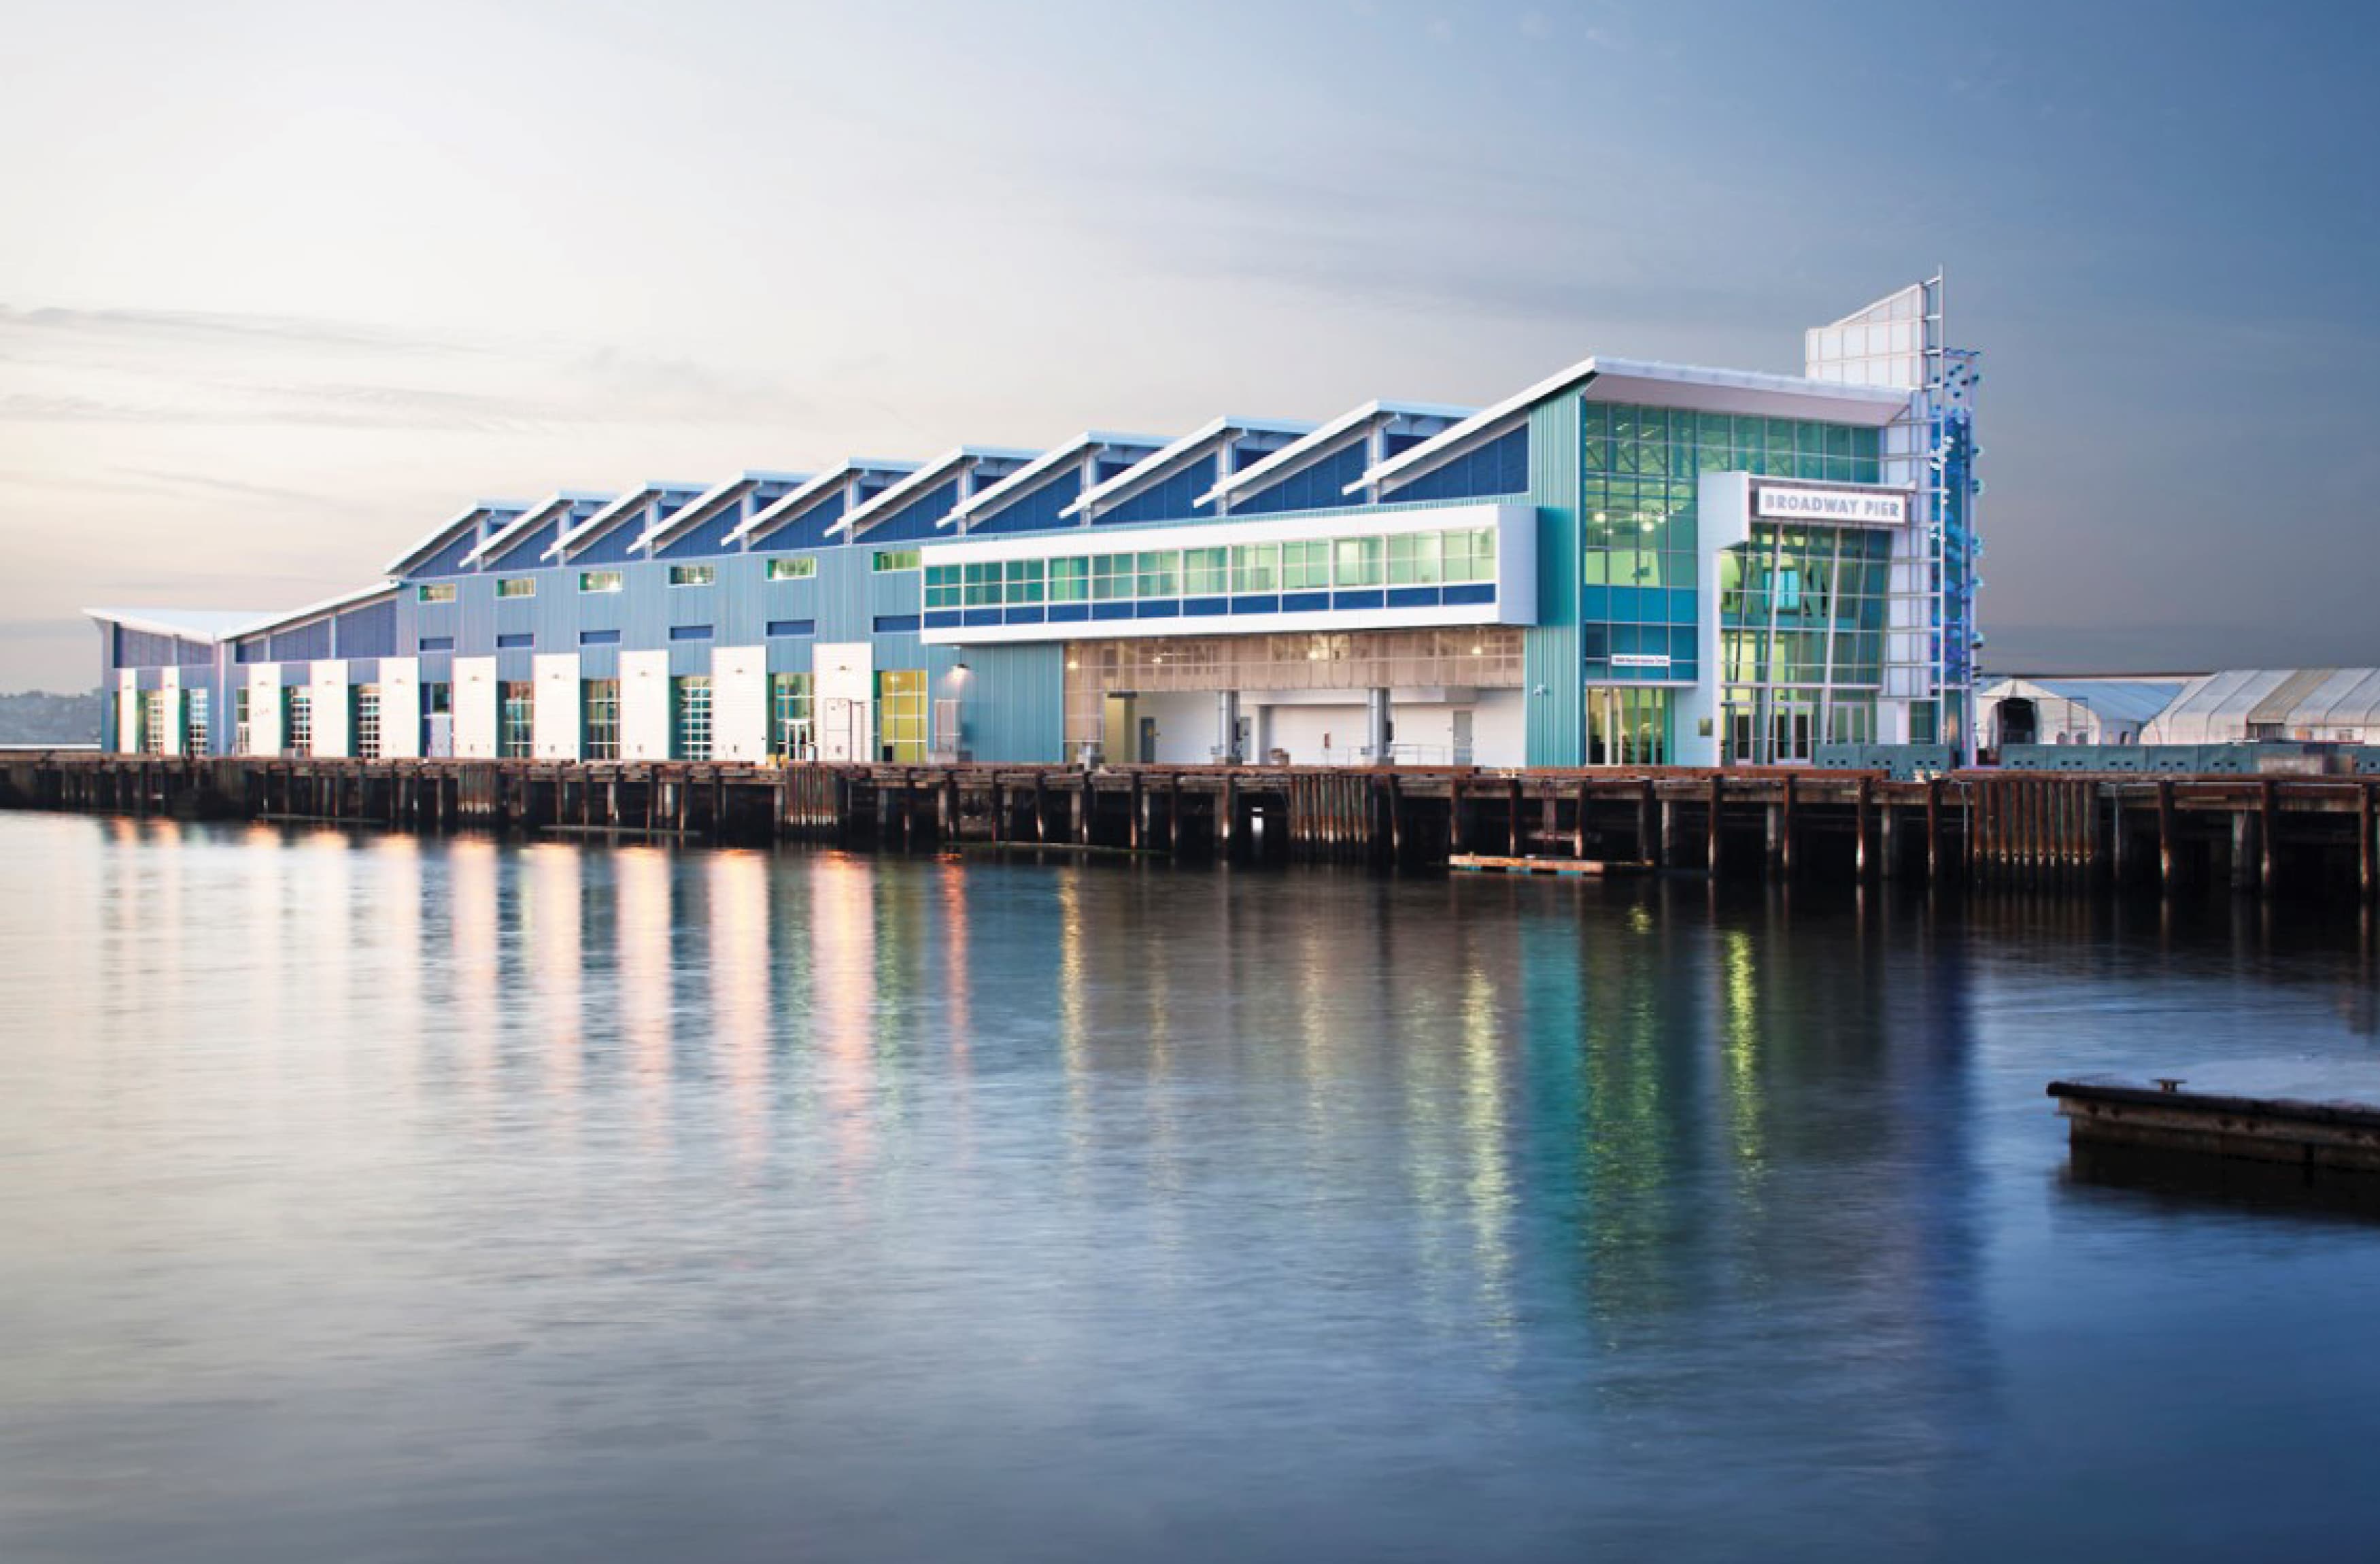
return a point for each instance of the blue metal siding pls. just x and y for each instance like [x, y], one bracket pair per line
[612, 544]
[1322, 485]
[913, 521]
[807, 531]
[1500, 467]
[142, 648]
[1012, 704]
[369, 631]
[303, 644]
[1037, 509]
[448, 560]
[1174, 498]
[530, 553]
[711, 538]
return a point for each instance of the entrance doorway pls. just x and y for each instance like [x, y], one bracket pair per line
[1627, 725]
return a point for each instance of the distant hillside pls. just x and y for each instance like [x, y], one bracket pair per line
[38, 717]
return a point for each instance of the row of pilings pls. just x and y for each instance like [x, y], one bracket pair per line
[2269, 835]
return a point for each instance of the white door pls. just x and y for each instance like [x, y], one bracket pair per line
[739, 703]
[645, 705]
[475, 708]
[845, 684]
[553, 717]
[329, 685]
[264, 709]
[400, 707]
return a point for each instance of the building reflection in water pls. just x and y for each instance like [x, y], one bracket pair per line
[553, 945]
[737, 890]
[843, 943]
[646, 991]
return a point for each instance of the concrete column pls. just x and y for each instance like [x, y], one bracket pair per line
[1376, 725]
[1227, 727]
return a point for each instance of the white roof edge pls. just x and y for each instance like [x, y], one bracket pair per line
[1438, 447]
[700, 508]
[213, 626]
[1354, 417]
[602, 518]
[429, 541]
[328, 605]
[816, 488]
[924, 477]
[1140, 471]
[1024, 476]
[535, 516]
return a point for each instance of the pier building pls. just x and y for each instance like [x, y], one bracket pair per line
[1626, 563]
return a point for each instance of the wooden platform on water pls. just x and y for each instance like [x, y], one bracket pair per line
[2318, 1116]
[1487, 864]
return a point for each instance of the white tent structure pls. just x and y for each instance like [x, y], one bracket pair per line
[2072, 710]
[2311, 705]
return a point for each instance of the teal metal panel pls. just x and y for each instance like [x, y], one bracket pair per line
[1549, 649]
[1013, 704]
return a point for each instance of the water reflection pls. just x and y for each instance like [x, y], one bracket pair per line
[923, 1208]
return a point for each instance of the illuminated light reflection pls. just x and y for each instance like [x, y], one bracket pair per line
[555, 936]
[738, 884]
[390, 925]
[471, 870]
[642, 875]
[1488, 1189]
[842, 935]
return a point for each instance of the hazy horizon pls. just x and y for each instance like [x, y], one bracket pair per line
[291, 287]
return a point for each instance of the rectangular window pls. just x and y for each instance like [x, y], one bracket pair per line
[691, 717]
[1204, 573]
[600, 715]
[791, 736]
[1161, 574]
[517, 585]
[519, 640]
[436, 592]
[792, 626]
[239, 739]
[367, 721]
[198, 731]
[296, 720]
[1024, 584]
[1111, 577]
[943, 584]
[1256, 567]
[899, 559]
[516, 713]
[1413, 559]
[438, 700]
[901, 715]
[689, 632]
[1305, 565]
[800, 569]
[693, 574]
[602, 581]
[1471, 555]
[153, 723]
[599, 637]
[1070, 580]
[982, 584]
[1357, 561]
[437, 643]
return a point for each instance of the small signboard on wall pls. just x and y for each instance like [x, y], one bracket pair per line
[1865, 507]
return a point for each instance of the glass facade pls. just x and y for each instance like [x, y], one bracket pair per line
[901, 715]
[599, 718]
[690, 718]
[1455, 557]
[197, 742]
[239, 730]
[791, 736]
[516, 714]
[297, 719]
[1802, 625]
[367, 721]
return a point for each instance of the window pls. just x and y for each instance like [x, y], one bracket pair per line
[1111, 577]
[152, 721]
[519, 640]
[792, 569]
[943, 584]
[437, 593]
[600, 715]
[1305, 565]
[691, 717]
[1357, 561]
[981, 585]
[198, 731]
[367, 721]
[1256, 567]
[515, 716]
[1413, 559]
[1204, 573]
[791, 736]
[901, 715]
[517, 585]
[1070, 580]
[693, 574]
[296, 720]
[899, 559]
[239, 732]
[1161, 574]
[602, 581]
[438, 700]
[1023, 580]
[1469, 555]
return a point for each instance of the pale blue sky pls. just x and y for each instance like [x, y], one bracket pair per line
[283, 286]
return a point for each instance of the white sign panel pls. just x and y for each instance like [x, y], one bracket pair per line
[1639, 659]
[1871, 507]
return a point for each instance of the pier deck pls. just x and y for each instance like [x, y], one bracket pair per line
[2018, 829]
[2323, 1118]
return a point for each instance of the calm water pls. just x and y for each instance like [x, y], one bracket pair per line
[370, 1199]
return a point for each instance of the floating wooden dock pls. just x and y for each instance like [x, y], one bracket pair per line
[2028, 832]
[1487, 864]
[2320, 1118]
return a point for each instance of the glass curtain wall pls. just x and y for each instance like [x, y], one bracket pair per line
[691, 717]
[901, 715]
[791, 734]
[516, 718]
[1802, 616]
[599, 717]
